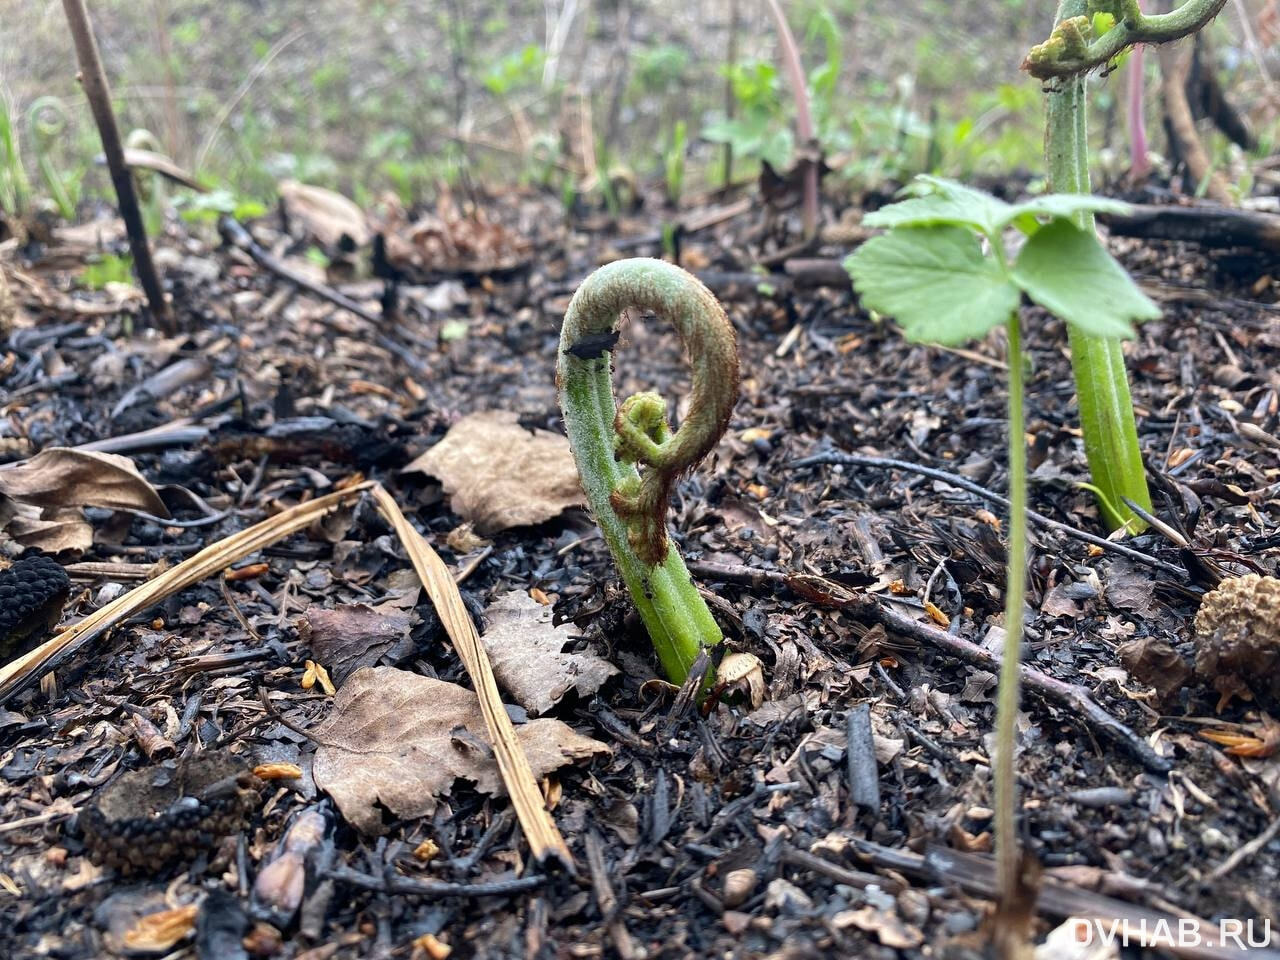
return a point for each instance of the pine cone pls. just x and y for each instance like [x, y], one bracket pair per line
[32, 593]
[1238, 648]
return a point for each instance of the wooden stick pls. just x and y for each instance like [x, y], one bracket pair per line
[1207, 224]
[1175, 65]
[98, 93]
[234, 233]
[832, 595]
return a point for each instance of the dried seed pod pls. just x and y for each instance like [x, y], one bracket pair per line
[743, 671]
[32, 593]
[146, 819]
[1238, 647]
[739, 885]
[280, 884]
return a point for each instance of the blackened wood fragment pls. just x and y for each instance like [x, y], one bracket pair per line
[864, 777]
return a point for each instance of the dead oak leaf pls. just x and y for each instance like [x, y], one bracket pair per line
[399, 740]
[525, 650]
[499, 474]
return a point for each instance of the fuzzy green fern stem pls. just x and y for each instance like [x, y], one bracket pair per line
[1102, 384]
[1072, 49]
[47, 119]
[610, 442]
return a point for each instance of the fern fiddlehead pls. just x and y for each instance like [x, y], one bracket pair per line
[610, 442]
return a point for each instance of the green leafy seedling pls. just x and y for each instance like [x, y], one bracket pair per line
[611, 442]
[109, 268]
[943, 271]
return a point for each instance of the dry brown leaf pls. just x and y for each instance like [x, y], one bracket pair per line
[398, 740]
[354, 635]
[525, 648]
[500, 475]
[66, 530]
[325, 215]
[545, 841]
[64, 477]
[1156, 663]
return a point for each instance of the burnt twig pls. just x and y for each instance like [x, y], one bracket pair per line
[1070, 695]
[433, 890]
[98, 93]
[828, 593]
[234, 233]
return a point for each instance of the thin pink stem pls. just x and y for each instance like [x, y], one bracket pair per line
[1140, 164]
[804, 118]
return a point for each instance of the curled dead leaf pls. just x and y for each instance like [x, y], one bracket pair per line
[743, 671]
[64, 477]
[354, 635]
[329, 217]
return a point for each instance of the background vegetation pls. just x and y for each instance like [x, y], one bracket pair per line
[402, 95]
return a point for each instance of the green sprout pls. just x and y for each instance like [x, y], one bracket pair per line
[106, 269]
[610, 442]
[943, 271]
[1091, 34]
[47, 119]
[14, 186]
[673, 163]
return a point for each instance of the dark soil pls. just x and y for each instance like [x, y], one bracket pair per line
[686, 802]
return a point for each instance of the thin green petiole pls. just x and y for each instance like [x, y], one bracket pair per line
[1006, 799]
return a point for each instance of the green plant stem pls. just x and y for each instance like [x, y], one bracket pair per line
[46, 118]
[804, 118]
[1006, 799]
[14, 188]
[630, 507]
[1132, 26]
[1102, 385]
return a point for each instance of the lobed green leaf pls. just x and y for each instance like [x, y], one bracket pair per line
[934, 281]
[947, 202]
[1066, 270]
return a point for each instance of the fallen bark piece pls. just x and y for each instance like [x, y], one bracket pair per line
[1210, 225]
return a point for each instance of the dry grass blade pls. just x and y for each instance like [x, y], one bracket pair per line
[212, 559]
[544, 839]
